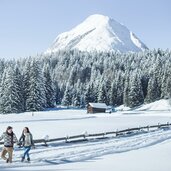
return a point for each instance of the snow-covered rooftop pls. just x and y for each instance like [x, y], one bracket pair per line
[98, 105]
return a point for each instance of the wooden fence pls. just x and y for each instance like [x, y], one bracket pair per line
[86, 136]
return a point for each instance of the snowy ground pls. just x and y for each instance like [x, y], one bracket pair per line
[147, 151]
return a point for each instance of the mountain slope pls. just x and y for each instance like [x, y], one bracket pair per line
[99, 33]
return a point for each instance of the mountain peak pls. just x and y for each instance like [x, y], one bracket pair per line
[97, 18]
[98, 33]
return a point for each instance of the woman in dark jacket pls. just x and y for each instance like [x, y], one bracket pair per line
[26, 140]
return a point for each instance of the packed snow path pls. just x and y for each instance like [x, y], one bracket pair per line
[76, 152]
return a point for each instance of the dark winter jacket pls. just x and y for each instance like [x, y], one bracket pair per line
[26, 140]
[9, 139]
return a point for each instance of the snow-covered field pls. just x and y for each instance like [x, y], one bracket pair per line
[146, 151]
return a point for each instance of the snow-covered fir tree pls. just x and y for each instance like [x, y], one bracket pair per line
[153, 90]
[102, 97]
[135, 93]
[11, 91]
[36, 99]
[49, 89]
[90, 94]
[67, 99]
[77, 100]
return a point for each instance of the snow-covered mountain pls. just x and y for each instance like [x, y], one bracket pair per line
[101, 33]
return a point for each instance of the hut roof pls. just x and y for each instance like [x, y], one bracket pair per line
[98, 105]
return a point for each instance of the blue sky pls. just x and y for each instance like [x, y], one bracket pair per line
[28, 27]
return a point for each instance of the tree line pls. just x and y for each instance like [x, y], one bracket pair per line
[74, 78]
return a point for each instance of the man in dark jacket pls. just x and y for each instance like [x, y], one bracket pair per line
[9, 139]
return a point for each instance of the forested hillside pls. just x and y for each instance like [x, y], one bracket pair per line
[74, 78]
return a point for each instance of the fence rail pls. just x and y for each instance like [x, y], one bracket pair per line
[87, 136]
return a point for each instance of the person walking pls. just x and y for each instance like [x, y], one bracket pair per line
[26, 140]
[9, 139]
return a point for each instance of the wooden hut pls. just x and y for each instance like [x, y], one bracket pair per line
[96, 108]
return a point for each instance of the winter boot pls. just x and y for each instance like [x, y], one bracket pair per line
[7, 161]
[22, 159]
[28, 159]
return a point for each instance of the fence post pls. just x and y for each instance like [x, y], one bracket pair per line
[46, 138]
[104, 134]
[139, 129]
[148, 128]
[45, 143]
[67, 138]
[116, 132]
[85, 135]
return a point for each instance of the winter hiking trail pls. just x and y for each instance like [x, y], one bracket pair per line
[56, 154]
